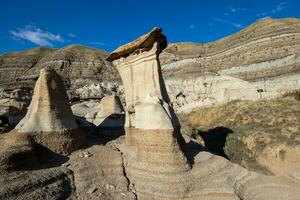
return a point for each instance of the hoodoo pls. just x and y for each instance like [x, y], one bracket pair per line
[49, 120]
[151, 126]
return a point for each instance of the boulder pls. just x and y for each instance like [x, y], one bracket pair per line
[16, 152]
[111, 114]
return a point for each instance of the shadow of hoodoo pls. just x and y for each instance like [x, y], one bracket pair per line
[215, 139]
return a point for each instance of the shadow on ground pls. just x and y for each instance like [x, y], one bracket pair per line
[214, 142]
[215, 139]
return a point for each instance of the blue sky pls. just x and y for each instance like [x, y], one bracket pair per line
[108, 24]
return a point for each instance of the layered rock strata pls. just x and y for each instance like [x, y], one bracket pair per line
[71, 62]
[264, 56]
[49, 120]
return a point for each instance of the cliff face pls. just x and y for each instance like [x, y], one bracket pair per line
[266, 48]
[72, 62]
[260, 61]
[16, 64]
[76, 61]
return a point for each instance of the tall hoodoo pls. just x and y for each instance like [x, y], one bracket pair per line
[151, 126]
[147, 101]
[49, 119]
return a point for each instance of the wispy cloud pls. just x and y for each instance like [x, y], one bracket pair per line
[37, 36]
[278, 8]
[231, 9]
[223, 21]
[71, 35]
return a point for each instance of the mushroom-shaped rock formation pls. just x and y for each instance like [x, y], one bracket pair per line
[49, 120]
[152, 128]
[140, 70]
[155, 162]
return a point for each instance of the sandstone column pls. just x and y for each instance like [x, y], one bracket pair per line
[140, 70]
[152, 129]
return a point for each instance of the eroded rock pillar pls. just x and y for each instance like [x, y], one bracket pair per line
[147, 101]
[152, 129]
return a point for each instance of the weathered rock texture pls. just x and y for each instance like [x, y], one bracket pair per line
[16, 152]
[49, 120]
[18, 104]
[151, 124]
[16, 64]
[40, 183]
[100, 175]
[71, 62]
[138, 65]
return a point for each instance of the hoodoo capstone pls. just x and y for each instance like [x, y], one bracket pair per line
[49, 120]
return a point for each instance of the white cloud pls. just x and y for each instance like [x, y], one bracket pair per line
[236, 25]
[281, 6]
[278, 8]
[232, 9]
[37, 36]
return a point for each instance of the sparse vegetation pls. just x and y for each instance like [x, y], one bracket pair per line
[254, 125]
[294, 93]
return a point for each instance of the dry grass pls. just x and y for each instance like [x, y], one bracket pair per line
[269, 121]
[294, 93]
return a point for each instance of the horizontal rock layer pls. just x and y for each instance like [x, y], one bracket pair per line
[72, 62]
[265, 49]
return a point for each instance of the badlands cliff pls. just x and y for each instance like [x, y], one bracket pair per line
[72, 62]
[260, 61]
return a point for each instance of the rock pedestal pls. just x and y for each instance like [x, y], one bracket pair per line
[140, 70]
[49, 120]
[151, 126]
